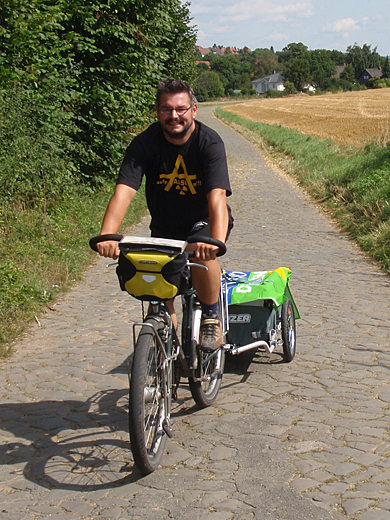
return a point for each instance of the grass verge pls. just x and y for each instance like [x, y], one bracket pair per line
[43, 254]
[353, 184]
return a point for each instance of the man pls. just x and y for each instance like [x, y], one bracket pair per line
[187, 183]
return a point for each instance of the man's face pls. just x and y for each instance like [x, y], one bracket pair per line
[177, 128]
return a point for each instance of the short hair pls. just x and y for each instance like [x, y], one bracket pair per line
[173, 86]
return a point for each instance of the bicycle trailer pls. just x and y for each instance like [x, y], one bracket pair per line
[261, 311]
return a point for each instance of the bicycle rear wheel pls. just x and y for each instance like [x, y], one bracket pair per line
[146, 403]
[205, 391]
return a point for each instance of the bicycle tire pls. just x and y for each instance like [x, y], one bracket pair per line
[205, 392]
[288, 331]
[146, 401]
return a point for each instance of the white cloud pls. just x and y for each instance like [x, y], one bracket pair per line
[343, 25]
[230, 11]
[278, 37]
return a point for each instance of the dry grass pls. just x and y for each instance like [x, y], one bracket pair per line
[350, 118]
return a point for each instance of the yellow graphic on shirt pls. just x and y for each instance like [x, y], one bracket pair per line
[182, 181]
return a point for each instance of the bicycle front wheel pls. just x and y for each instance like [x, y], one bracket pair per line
[146, 403]
[205, 388]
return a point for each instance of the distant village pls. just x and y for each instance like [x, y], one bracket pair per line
[344, 76]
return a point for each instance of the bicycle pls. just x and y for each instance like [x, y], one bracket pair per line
[155, 270]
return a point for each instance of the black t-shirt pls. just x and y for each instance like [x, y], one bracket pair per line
[178, 177]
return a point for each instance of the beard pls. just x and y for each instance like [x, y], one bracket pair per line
[177, 132]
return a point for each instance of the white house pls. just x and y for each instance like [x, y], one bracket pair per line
[272, 82]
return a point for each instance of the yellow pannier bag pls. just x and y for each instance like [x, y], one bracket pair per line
[151, 275]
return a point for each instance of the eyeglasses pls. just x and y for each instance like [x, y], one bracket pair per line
[166, 111]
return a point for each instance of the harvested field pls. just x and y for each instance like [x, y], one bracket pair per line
[349, 118]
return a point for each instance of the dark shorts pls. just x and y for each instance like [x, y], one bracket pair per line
[199, 228]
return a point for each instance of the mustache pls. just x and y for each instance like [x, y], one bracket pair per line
[176, 120]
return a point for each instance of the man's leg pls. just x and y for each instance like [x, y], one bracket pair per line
[207, 282]
[172, 312]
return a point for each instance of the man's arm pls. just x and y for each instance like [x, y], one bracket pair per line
[219, 221]
[115, 213]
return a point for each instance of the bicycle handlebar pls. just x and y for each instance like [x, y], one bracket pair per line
[191, 240]
[208, 240]
[103, 238]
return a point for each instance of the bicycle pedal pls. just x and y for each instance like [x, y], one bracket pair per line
[194, 364]
[168, 430]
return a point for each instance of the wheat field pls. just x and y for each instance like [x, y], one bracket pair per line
[349, 118]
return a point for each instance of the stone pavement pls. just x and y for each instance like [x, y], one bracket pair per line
[305, 440]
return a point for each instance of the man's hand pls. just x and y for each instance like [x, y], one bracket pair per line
[203, 252]
[108, 249]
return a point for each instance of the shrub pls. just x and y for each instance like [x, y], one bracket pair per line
[274, 93]
[289, 88]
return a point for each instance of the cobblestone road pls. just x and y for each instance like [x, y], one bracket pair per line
[305, 440]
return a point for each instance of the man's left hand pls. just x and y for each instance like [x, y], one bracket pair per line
[203, 251]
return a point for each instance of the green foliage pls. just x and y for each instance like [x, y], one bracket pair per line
[322, 67]
[348, 73]
[208, 86]
[386, 68]
[362, 58]
[289, 88]
[292, 51]
[298, 72]
[353, 183]
[275, 93]
[108, 59]
[378, 83]
[36, 149]
[264, 62]
[234, 70]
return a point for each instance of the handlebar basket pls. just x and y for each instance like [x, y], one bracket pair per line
[151, 275]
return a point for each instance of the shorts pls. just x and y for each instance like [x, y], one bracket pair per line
[202, 227]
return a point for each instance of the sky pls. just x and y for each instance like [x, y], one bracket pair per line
[318, 24]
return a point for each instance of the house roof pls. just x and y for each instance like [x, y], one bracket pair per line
[374, 73]
[276, 77]
[203, 50]
[339, 70]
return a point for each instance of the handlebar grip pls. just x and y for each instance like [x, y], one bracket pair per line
[208, 240]
[103, 238]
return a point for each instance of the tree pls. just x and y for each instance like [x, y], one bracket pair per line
[208, 86]
[322, 67]
[234, 70]
[292, 51]
[362, 58]
[386, 68]
[298, 72]
[348, 73]
[101, 63]
[263, 62]
[338, 57]
[289, 88]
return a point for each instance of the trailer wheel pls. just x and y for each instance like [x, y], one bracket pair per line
[288, 331]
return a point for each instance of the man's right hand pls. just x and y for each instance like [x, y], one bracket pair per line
[115, 213]
[108, 249]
